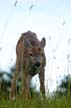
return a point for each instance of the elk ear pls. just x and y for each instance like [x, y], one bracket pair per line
[43, 42]
[27, 43]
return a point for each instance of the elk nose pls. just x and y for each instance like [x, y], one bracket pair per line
[38, 64]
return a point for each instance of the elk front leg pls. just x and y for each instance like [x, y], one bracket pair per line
[26, 83]
[13, 85]
[42, 85]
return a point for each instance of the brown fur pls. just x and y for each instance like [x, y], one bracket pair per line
[30, 60]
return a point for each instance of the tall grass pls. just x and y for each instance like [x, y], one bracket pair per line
[53, 102]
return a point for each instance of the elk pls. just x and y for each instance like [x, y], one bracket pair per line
[30, 60]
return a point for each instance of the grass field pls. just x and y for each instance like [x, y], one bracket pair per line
[54, 102]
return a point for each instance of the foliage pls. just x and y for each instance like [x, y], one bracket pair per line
[5, 82]
[65, 86]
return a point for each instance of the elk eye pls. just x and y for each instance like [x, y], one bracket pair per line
[31, 54]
